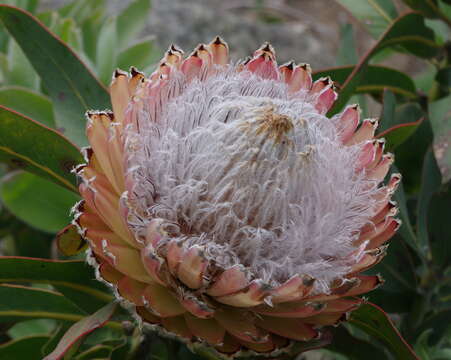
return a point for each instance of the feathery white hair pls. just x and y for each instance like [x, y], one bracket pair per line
[281, 202]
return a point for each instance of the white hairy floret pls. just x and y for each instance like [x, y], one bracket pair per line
[253, 173]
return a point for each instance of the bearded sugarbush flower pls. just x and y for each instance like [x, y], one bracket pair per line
[225, 207]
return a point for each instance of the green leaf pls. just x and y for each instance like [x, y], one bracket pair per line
[96, 352]
[407, 31]
[440, 116]
[394, 129]
[377, 79]
[396, 135]
[31, 327]
[406, 230]
[443, 77]
[82, 328]
[90, 29]
[18, 70]
[376, 15]
[431, 181]
[29, 5]
[140, 55]
[27, 144]
[353, 347]
[36, 201]
[393, 301]
[397, 269]
[69, 33]
[55, 337]
[439, 228]
[387, 118]
[80, 10]
[75, 279]
[29, 103]
[409, 156]
[410, 32]
[25, 348]
[132, 21]
[439, 323]
[23, 302]
[107, 50]
[72, 87]
[347, 54]
[427, 7]
[20, 236]
[375, 322]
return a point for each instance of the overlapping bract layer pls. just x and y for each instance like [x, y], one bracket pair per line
[178, 286]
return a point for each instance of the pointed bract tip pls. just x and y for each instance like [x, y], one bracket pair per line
[175, 48]
[289, 65]
[266, 46]
[135, 72]
[306, 67]
[118, 72]
[201, 47]
[218, 41]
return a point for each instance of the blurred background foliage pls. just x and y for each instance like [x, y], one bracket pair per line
[390, 56]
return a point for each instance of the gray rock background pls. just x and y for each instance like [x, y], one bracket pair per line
[303, 30]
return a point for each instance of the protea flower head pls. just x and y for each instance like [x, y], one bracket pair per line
[225, 207]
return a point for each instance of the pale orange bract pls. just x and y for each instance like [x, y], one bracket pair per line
[168, 267]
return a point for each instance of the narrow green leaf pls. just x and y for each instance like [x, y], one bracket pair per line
[80, 10]
[69, 33]
[427, 7]
[27, 144]
[347, 54]
[443, 77]
[19, 71]
[406, 230]
[352, 347]
[29, 5]
[409, 156]
[25, 241]
[72, 87]
[107, 50]
[36, 201]
[28, 103]
[407, 31]
[440, 116]
[31, 327]
[96, 352]
[431, 181]
[90, 30]
[376, 15]
[387, 118]
[25, 348]
[132, 21]
[397, 134]
[140, 55]
[410, 32]
[375, 322]
[439, 323]
[55, 337]
[75, 279]
[397, 269]
[82, 328]
[23, 302]
[439, 228]
[377, 79]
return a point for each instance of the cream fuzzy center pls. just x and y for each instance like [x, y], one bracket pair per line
[253, 173]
